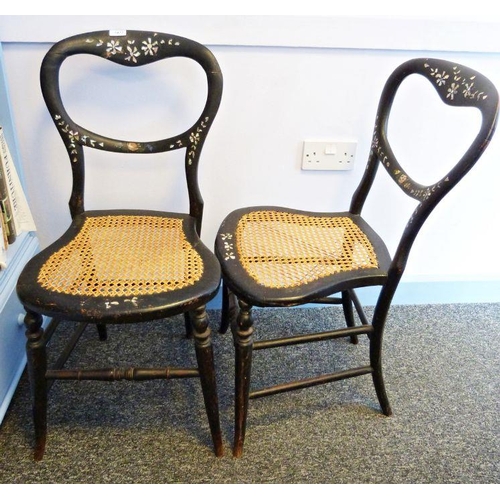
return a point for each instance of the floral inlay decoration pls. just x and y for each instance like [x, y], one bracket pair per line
[137, 52]
[228, 246]
[456, 82]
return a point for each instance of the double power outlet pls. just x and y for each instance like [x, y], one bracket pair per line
[328, 155]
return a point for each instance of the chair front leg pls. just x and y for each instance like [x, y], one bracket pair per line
[205, 358]
[37, 366]
[243, 342]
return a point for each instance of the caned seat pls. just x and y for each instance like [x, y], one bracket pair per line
[285, 254]
[127, 265]
[279, 257]
[121, 255]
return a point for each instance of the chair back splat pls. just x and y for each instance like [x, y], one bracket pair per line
[274, 256]
[134, 50]
[457, 86]
[127, 265]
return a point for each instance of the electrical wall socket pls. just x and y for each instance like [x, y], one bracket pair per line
[328, 155]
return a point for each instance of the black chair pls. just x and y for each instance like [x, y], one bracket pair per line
[123, 266]
[280, 257]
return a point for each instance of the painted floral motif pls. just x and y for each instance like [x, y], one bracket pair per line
[228, 247]
[194, 139]
[441, 78]
[131, 50]
[133, 53]
[113, 47]
[457, 83]
[377, 148]
[74, 138]
[149, 48]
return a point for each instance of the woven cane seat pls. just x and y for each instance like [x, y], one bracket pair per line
[282, 250]
[289, 253]
[117, 256]
[123, 261]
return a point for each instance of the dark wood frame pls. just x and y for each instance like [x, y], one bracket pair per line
[124, 50]
[457, 86]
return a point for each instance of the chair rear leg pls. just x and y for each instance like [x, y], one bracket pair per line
[225, 313]
[349, 313]
[205, 358]
[378, 379]
[188, 325]
[243, 343]
[37, 366]
[103, 331]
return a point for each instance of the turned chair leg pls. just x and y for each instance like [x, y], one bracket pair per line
[243, 342]
[37, 366]
[205, 358]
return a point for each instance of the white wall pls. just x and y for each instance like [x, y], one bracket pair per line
[286, 79]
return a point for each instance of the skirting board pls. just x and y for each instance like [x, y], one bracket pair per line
[435, 292]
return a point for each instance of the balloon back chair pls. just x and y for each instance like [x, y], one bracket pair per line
[127, 265]
[278, 257]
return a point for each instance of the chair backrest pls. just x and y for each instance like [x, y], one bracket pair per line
[131, 48]
[457, 86]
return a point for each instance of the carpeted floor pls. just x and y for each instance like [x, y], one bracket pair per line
[442, 377]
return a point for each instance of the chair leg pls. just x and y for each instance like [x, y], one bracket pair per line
[243, 342]
[378, 379]
[37, 366]
[349, 313]
[205, 358]
[103, 331]
[189, 325]
[225, 315]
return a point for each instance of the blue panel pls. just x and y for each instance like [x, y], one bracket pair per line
[12, 338]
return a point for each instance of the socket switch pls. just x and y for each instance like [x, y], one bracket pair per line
[328, 155]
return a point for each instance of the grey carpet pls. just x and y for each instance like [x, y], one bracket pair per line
[442, 377]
